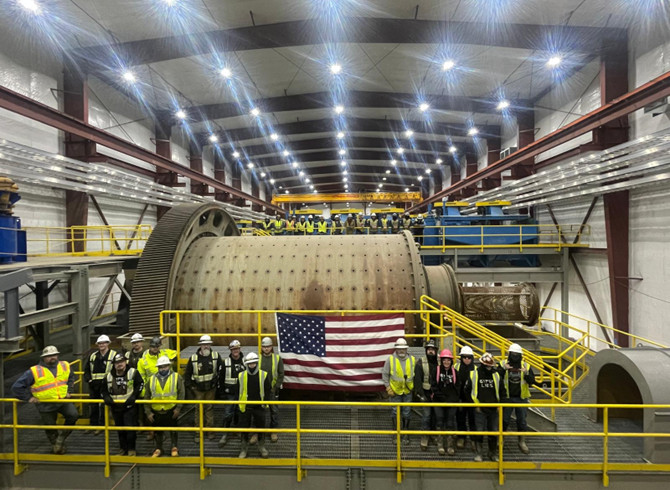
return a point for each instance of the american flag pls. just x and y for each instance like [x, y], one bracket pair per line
[336, 352]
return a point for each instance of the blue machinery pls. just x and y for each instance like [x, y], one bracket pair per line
[12, 238]
[490, 227]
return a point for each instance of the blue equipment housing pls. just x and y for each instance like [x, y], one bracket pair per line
[12, 237]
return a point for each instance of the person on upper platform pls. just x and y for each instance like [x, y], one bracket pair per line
[99, 365]
[398, 377]
[202, 378]
[425, 368]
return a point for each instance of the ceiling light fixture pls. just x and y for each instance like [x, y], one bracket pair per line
[339, 109]
[255, 111]
[384, 178]
[423, 107]
[473, 131]
[406, 189]
[236, 154]
[335, 68]
[342, 152]
[180, 114]
[419, 178]
[301, 173]
[438, 161]
[272, 181]
[340, 135]
[388, 171]
[263, 174]
[226, 72]
[448, 65]
[453, 149]
[400, 151]
[274, 136]
[344, 179]
[502, 105]
[394, 162]
[31, 6]
[213, 138]
[286, 153]
[428, 170]
[129, 76]
[250, 165]
[307, 181]
[344, 172]
[409, 133]
[294, 164]
[554, 62]
[343, 163]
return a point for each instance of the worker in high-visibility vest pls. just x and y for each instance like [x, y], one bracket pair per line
[398, 377]
[254, 384]
[310, 225]
[136, 350]
[322, 226]
[291, 226]
[518, 377]
[96, 368]
[233, 365]
[278, 225]
[300, 226]
[147, 364]
[425, 368]
[272, 364]
[446, 390]
[486, 387]
[49, 380]
[122, 387]
[163, 389]
[267, 225]
[202, 377]
[337, 226]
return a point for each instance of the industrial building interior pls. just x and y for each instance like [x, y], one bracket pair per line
[491, 172]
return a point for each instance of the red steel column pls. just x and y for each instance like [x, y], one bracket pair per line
[525, 136]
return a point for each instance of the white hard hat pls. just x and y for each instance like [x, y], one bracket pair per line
[266, 342]
[400, 344]
[205, 339]
[374, 215]
[137, 337]
[50, 350]
[163, 361]
[487, 359]
[102, 338]
[310, 216]
[516, 348]
[234, 344]
[466, 351]
[251, 358]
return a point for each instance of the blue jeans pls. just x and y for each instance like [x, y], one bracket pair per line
[229, 411]
[427, 418]
[274, 411]
[446, 418]
[520, 413]
[406, 412]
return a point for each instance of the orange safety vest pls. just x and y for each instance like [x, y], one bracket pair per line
[45, 386]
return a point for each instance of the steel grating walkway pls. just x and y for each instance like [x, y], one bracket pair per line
[356, 446]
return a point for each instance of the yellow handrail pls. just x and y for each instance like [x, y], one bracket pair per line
[205, 462]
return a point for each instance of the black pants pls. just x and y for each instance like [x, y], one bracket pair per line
[165, 419]
[253, 416]
[49, 417]
[97, 413]
[465, 420]
[487, 420]
[126, 417]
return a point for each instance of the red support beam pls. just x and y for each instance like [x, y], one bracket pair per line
[195, 162]
[631, 102]
[75, 104]
[617, 231]
[492, 156]
[27, 107]
[525, 136]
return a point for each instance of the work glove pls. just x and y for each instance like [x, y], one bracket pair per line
[390, 391]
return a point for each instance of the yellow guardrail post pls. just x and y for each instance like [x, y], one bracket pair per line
[107, 464]
[18, 467]
[297, 442]
[501, 443]
[259, 331]
[521, 238]
[203, 471]
[606, 478]
[453, 333]
[481, 238]
[178, 343]
[398, 443]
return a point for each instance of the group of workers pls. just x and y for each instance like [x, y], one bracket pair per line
[352, 224]
[120, 379]
[441, 380]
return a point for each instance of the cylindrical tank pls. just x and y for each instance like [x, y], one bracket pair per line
[196, 260]
[518, 303]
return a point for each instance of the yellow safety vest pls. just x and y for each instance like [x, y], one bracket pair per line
[267, 226]
[168, 392]
[147, 364]
[278, 224]
[401, 383]
[290, 225]
[525, 389]
[474, 378]
[203, 378]
[108, 364]
[275, 363]
[130, 385]
[229, 378]
[322, 227]
[300, 226]
[45, 386]
[426, 373]
[309, 227]
[244, 378]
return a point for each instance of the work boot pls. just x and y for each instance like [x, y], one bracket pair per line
[460, 443]
[253, 440]
[262, 451]
[493, 451]
[174, 452]
[405, 426]
[424, 442]
[59, 445]
[478, 451]
[432, 440]
[450, 446]
[243, 450]
[274, 437]
[132, 453]
[522, 445]
[223, 440]
[440, 446]
[394, 428]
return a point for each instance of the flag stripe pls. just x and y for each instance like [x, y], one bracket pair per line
[289, 358]
[334, 376]
[302, 385]
[359, 341]
[334, 365]
[365, 330]
[331, 382]
[363, 319]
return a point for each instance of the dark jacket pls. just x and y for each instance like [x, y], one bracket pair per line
[119, 386]
[447, 385]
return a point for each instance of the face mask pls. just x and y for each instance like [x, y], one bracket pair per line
[401, 353]
[164, 370]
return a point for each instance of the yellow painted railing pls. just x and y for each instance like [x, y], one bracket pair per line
[86, 240]
[561, 372]
[593, 333]
[399, 464]
[519, 236]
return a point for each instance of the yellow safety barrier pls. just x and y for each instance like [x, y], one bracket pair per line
[91, 240]
[517, 236]
[593, 341]
[399, 464]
